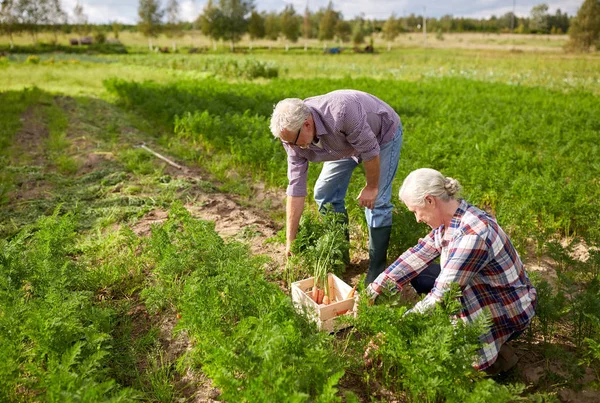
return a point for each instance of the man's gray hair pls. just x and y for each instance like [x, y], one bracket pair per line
[425, 181]
[289, 114]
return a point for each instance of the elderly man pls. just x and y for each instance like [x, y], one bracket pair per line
[342, 128]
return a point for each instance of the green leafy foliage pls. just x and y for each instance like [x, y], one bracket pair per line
[524, 169]
[247, 336]
[55, 342]
[428, 357]
[320, 245]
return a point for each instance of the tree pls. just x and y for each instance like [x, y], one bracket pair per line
[9, 19]
[32, 13]
[343, 30]
[391, 29]
[559, 22]
[445, 23]
[508, 22]
[585, 29]
[116, 27]
[272, 27]
[150, 19]
[173, 27]
[234, 21]
[209, 21]
[55, 17]
[306, 27]
[328, 23]
[358, 33]
[290, 25]
[80, 20]
[256, 27]
[539, 18]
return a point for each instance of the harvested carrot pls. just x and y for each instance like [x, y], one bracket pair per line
[341, 312]
[320, 298]
[351, 293]
[315, 293]
[326, 300]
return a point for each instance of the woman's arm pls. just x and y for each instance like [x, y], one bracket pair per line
[407, 266]
[467, 255]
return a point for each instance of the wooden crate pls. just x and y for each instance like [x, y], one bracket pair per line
[325, 315]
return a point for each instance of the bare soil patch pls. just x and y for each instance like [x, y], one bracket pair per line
[28, 142]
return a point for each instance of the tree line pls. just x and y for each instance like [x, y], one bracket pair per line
[230, 20]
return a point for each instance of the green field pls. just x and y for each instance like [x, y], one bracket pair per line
[93, 301]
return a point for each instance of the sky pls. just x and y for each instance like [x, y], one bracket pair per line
[125, 11]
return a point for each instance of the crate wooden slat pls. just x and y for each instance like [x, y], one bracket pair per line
[325, 315]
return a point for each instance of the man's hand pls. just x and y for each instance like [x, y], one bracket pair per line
[367, 197]
[294, 207]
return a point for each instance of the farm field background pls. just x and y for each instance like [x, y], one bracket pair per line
[121, 274]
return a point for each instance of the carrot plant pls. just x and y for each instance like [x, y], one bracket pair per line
[532, 171]
[320, 245]
[427, 358]
[55, 343]
[246, 335]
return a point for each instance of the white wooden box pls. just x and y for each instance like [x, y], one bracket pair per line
[326, 316]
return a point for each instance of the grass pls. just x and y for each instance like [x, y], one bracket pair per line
[82, 75]
[415, 39]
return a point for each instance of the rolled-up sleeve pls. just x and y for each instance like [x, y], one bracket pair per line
[358, 132]
[408, 265]
[297, 176]
[467, 256]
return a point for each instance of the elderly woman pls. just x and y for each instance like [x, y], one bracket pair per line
[475, 253]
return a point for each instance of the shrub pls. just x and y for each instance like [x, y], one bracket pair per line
[32, 59]
[99, 37]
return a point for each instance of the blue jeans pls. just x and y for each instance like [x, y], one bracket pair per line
[332, 185]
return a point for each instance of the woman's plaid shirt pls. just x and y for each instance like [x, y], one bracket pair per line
[477, 254]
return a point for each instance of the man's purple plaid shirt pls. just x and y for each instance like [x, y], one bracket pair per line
[348, 123]
[477, 254]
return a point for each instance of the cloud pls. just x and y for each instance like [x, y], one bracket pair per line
[125, 11]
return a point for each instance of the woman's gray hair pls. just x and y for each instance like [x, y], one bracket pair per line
[425, 181]
[289, 114]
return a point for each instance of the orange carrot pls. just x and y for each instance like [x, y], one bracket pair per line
[326, 300]
[315, 293]
[341, 312]
[351, 293]
[320, 298]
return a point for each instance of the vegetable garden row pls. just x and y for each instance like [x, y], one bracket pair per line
[526, 154]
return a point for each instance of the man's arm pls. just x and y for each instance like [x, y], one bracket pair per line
[368, 195]
[294, 208]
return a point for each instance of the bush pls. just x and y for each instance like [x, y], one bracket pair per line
[99, 37]
[32, 60]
